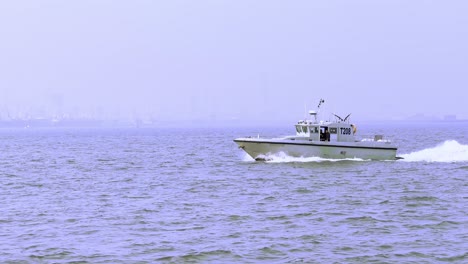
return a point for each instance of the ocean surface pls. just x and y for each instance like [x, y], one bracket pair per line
[189, 195]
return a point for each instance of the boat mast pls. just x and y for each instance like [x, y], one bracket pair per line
[318, 107]
[315, 113]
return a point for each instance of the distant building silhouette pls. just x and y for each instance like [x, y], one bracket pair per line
[450, 118]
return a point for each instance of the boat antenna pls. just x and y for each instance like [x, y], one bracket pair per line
[342, 119]
[305, 111]
[339, 117]
[346, 118]
[320, 103]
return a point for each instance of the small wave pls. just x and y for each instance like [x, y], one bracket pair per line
[413, 254]
[448, 151]
[197, 257]
[420, 198]
[344, 248]
[362, 219]
[462, 256]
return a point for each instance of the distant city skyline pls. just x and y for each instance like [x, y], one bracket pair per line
[233, 60]
[54, 114]
[58, 109]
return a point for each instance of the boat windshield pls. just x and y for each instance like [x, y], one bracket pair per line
[298, 129]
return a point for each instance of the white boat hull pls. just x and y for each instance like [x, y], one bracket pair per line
[259, 148]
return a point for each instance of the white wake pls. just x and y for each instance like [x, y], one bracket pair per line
[448, 151]
[282, 157]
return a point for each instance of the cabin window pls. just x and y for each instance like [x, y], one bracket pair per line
[298, 129]
[304, 129]
[324, 134]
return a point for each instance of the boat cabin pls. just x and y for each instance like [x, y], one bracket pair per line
[326, 131]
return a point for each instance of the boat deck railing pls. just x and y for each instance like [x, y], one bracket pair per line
[373, 138]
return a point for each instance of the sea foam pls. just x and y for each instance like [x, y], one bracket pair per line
[282, 157]
[448, 151]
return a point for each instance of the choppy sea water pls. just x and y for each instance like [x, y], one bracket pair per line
[191, 196]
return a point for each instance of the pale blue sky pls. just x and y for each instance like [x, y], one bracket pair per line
[249, 60]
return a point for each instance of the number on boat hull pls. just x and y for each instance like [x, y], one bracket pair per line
[345, 130]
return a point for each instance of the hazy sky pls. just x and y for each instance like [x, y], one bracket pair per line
[258, 59]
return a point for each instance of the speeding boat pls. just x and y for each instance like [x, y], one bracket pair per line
[336, 139]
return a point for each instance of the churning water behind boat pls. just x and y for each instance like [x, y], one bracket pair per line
[448, 151]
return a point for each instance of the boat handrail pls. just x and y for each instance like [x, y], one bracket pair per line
[373, 138]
